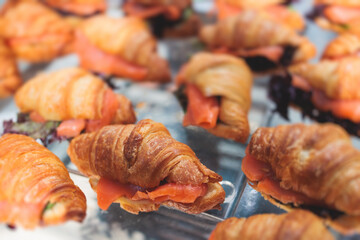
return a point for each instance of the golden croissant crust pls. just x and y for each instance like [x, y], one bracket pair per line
[253, 29]
[346, 44]
[128, 38]
[34, 32]
[230, 79]
[79, 95]
[31, 178]
[9, 75]
[295, 225]
[338, 79]
[144, 155]
[272, 8]
[80, 7]
[318, 161]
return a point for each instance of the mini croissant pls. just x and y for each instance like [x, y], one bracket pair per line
[295, 225]
[230, 80]
[35, 187]
[34, 32]
[345, 45]
[338, 15]
[338, 79]
[142, 167]
[74, 93]
[9, 76]
[273, 8]
[123, 47]
[78, 7]
[305, 165]
[252, 34]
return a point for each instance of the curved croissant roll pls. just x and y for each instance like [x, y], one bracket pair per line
[79, 95]
[295, 225]
[338, 15]
[146, 157]
[34, 32]
[78, 7]
[126, 47]
[9, 75]
[35, 187]
[273, 8]
[252, 33]
[230, 80]
[345, 45]
[337, 79]
[305, 165]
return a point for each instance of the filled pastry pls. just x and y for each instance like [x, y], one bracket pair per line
[313, 166]
[326, 91]
[35, 187]
[171, 18]
[337, 15]
[10, 79]
[217, 89]
[264, 43]
[295, 225]
[345, 45]
[78, 7]
[142, 167]
[123, 47]
[34, 32]
[67, 102]
[276, 9]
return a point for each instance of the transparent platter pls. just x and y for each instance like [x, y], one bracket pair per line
[157, 102]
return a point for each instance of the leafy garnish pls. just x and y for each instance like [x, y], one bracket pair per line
[49, 206]
[345, 26]
[46, 132]
[182, 98]
[187, 13]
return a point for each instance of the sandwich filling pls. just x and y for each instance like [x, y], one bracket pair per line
[109, 191]
[160, 17]
[286, 90]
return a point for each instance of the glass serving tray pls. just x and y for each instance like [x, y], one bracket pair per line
[158, 103]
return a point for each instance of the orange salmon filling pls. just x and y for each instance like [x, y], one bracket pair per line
[260, 174]
[108, 191]
[341, 15]
[201, 111]
[348, 109]
[96, 60]
[73, 127]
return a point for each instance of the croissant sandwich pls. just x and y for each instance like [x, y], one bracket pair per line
[276, 9]
[10, 79]
[34, 32]
[301, 165]
[79, 99]
[265, 44]
[142, 167]
[123, 47]
[218, 93]
[296, 225]
[170, 18]
[35, 187]
[78, 7]
[337, 15]
[326, 91]
[345, 45]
